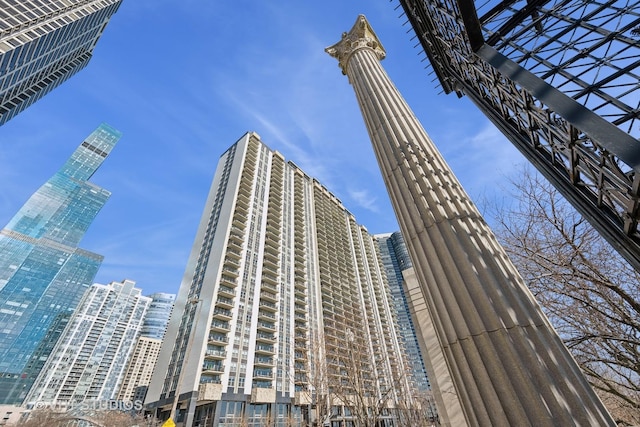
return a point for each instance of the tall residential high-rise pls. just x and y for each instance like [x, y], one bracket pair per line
[145, 355]
[395, 258]
[500, 361]
[89, 359]
[284, 298]
[42, 44]
[43, 273]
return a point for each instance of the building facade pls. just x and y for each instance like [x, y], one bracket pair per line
[155, 322]
[281, 285]
[43, 273]
[88, 361]
[137, 377]
[395, 258]
[43, 43]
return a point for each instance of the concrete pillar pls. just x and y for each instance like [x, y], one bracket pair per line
[507, 364]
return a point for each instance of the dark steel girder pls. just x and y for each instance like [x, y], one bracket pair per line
[581, 153]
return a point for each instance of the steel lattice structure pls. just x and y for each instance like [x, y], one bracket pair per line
[560, 79]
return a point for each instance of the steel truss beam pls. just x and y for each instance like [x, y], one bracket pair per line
[560, 79]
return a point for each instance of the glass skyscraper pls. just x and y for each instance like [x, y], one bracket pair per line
[43, 273]
[155, 322]
[395, 258]
[43, 43]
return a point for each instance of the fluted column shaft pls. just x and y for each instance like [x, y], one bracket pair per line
[507, 363]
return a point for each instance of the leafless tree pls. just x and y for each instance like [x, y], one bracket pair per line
[120, 419]
[355, 385]
[590, 294]
[311, 374]
[418, 409]
[48, 417]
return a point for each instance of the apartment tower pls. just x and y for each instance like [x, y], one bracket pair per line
[88, 361]
[137, 377]
[43, 43]
[43, 273]
[283, 291]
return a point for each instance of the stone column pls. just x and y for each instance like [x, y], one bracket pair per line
[507, 364]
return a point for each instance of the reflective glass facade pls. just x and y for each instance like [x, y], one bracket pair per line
[43, 43]
[395, 258]
[157, 317]
[43, 273]
[89, 359]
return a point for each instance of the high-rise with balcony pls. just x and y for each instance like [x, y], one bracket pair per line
[43, 272]
[43, 43]
[284, 294]
[88, 361]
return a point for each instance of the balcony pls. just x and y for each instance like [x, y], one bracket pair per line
[272, 227]
[214, 352]
[218, 325]
[268, 296]
[262, 373]
[232, 262]
[235, 241]
[212, 367]
[265, 349]
[228, 281]
[222, 313]
[263, 336]
[268, 306]
[224, 302]
[233, 272]
[238, 222]
[269, 287]
[263, 361]
[218, 338]
[266, 326]
[270, 263]
[269, 279]
[266, 314]
[225, 290]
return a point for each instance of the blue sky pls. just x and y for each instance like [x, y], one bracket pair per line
[184, 79]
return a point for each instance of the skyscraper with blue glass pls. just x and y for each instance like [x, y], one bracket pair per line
[43, 273]
[395, 259]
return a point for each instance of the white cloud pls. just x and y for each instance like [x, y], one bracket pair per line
[364, 199]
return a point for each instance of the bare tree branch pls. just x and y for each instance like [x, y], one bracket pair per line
[590, 294]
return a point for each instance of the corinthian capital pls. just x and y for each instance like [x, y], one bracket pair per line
[361, 36]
